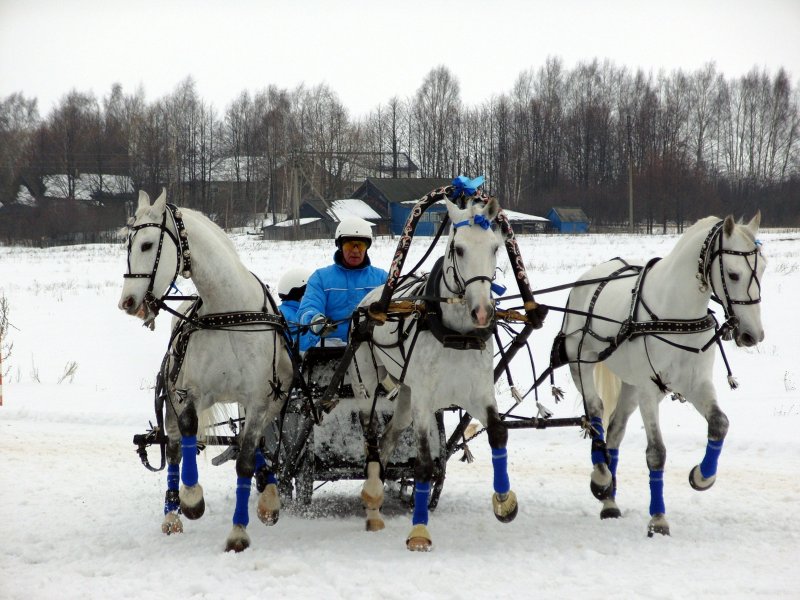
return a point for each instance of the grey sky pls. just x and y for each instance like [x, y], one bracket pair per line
[369, 50]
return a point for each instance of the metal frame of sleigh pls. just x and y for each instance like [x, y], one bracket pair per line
[319, 437]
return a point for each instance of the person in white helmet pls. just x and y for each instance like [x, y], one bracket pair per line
[291, 288]
[333, 292]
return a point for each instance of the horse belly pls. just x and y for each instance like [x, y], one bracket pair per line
[232, 367]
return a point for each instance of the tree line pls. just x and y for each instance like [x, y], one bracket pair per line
[692, 143]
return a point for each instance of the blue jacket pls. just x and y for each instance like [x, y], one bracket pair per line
[289, 310]
[335, 291]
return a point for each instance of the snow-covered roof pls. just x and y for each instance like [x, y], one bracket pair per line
[303, 221]
[351, 207]
[87, 185]
[24, 197]
[513, 215]
[278, 218]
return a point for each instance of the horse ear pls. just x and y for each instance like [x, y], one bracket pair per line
[160, 205]
[452, 208]
[144, 200]
[491, 209]
[728, 225]
[755, 223]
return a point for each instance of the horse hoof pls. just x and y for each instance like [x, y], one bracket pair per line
[374, 520]
[611, 512]
[698, 482]
[193, 505]
[269, 505]
[375, 524]
[601, 492]
[658, 524]
[238, 540]
[419, 540]
[171, 524]
[505, 506]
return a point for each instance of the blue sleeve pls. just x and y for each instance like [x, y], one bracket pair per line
[314, 300]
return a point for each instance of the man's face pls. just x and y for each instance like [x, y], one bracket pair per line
[353, 252]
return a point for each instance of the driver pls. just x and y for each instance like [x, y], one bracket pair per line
[333, 292]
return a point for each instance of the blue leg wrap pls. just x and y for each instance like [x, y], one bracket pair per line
[264, 476]
[500, 463]
[709, 465]
[189, 462]
[613, 454]
[657, 493]
[598, 451]
[422, 490]
[260, 460]
[173, 483]
[241, 516]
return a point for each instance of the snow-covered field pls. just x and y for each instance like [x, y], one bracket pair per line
[81, 517]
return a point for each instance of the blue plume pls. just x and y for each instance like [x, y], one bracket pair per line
[465, 185]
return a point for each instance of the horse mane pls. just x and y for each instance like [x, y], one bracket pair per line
[219, 234]
[707, 222]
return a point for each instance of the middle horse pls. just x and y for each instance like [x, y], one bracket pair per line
[443, 360]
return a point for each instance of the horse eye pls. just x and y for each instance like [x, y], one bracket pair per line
[459, 251]
[146, 246]
[733, 276]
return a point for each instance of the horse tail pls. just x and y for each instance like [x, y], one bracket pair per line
[608, 386]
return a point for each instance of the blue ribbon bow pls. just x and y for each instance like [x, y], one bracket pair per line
[498, 289]
[465, 185]
[479, 220]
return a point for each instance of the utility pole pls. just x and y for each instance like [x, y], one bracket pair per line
[295, 195]
[630, 179]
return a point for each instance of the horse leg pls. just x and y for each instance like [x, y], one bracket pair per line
[703, 476]
[419, 539]
[616, 431]
[601, 480]
[191, 493]
[504, 500]
[238, 540]
[372, 489]
[172, 505]
[656, 455]
[269, 503]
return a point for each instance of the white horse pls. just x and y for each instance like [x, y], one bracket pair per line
[647, 331]
[235, 352]
[431, 374]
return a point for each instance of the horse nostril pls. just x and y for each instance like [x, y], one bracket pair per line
[748, 340]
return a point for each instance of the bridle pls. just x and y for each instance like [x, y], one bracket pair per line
[461, 283]
[712, 248]
[181, 242]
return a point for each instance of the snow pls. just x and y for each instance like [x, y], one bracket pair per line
[81, 517]
[351, 207]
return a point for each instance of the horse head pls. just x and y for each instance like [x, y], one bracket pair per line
[471, 258]
[153, 262]
[734, 270]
